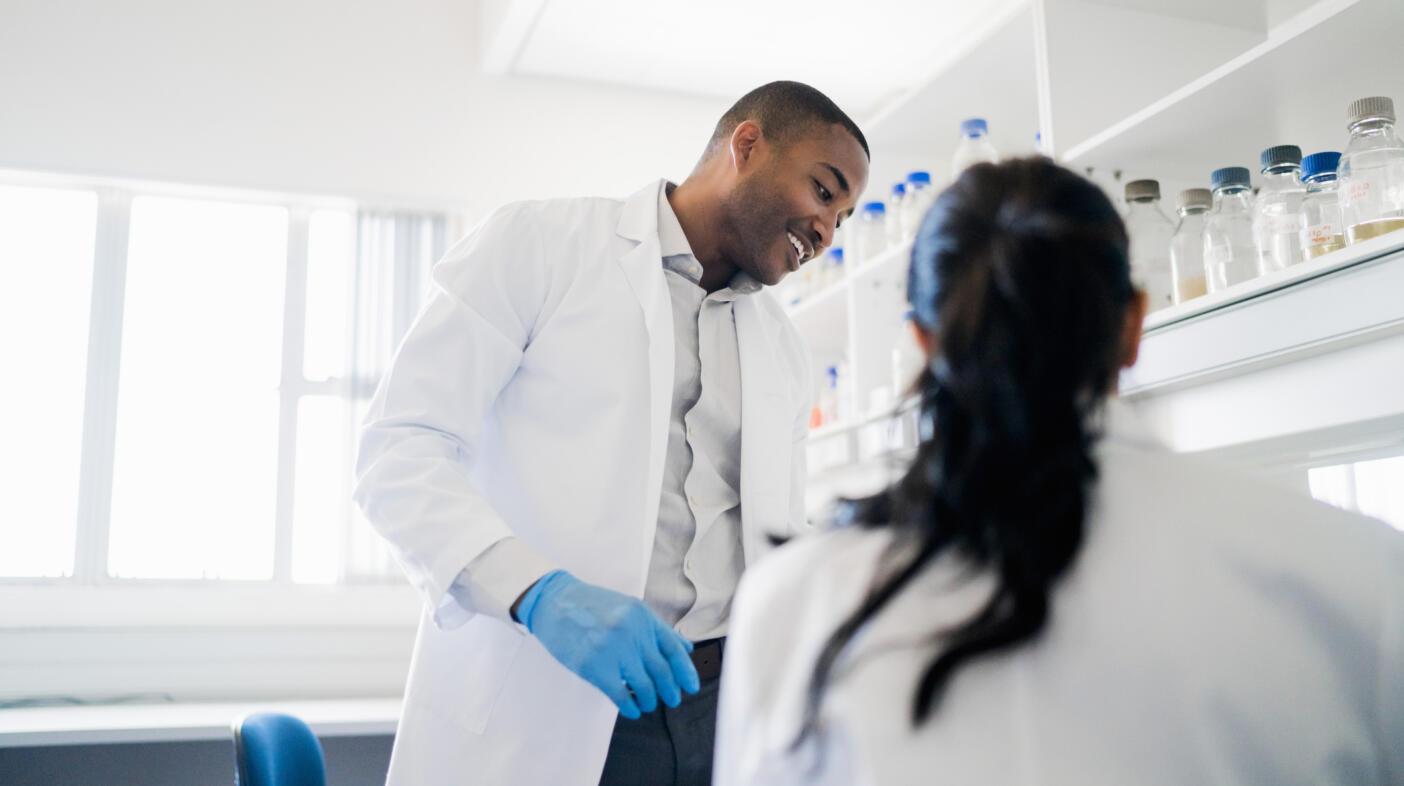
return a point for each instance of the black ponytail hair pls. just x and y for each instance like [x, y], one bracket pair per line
[1020, 273]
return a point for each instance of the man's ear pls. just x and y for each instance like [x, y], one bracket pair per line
[745, 141]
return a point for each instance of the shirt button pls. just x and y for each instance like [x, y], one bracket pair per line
[691, 432]
[692, 500]
[687, 565]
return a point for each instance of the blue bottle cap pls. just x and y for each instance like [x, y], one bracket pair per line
[919, 177]
[975, 126]
[1318, 164]
[900, 189]
[1231, 177]
[837, 253]
[875, 207]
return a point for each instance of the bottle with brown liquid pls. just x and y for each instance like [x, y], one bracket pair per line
[1187, 245]
[1320, 219]
[1372, 172]
[1150, 231]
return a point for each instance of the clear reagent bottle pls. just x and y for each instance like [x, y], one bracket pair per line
[1150, 232]
[1275, 211]
[869, 233]
[920, 195]
[1187, 244]
[1371, 171]
[974, 147]
[1230, 255]
[1320, 219]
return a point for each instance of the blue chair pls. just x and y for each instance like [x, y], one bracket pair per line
[277, 750]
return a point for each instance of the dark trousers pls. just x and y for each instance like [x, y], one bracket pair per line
[671, 745]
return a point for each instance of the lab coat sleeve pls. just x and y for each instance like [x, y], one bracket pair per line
[422, 431]
[494, 580]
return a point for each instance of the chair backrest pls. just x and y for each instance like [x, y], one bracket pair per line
[277, 750]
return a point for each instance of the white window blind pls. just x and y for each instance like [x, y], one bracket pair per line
[192, 372]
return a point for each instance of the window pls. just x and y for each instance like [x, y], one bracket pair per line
[46, 278]
[195, 475]
[1375, 488]
[206, 431]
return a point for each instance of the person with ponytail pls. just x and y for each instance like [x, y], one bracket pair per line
[1047, 595]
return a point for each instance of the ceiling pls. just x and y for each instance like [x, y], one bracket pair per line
[859, 54]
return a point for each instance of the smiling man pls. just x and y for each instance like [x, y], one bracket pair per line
[594, 426]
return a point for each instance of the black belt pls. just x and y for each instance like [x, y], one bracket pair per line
[707, 657]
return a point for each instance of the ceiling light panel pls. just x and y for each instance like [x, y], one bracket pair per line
[859, 54]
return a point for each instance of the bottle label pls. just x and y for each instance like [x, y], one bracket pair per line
[1317, 234]
[1355, 191]
[1279, 225]
[1218, 254]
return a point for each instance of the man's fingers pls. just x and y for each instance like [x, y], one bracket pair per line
[676, 648]
[645, 695]
[662, 675]
[618, 693]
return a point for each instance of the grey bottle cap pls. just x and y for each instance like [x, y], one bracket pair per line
[1192, 198]
[1372, 108]
[1280, 155]
[1140, 190]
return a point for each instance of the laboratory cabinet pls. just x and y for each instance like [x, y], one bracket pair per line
[1300, 368]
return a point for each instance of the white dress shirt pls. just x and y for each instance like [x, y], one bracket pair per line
[1213, 629]
[697, 555]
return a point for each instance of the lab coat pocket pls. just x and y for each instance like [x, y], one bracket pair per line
[463, 672]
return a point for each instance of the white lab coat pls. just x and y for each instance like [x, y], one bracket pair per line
[1213, 630]
[532, 398]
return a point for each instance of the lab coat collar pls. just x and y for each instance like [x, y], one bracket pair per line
[639, 219]
[638, 222]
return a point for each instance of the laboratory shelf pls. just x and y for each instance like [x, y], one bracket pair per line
[1351, 296]
[1128, 89]
[1291, 87]
[1273, 282]
[991, 75]
[822, 319]
[889, 266]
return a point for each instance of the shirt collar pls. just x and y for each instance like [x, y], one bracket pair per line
[678, 256]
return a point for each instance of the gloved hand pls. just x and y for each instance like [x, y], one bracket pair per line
[610, 640]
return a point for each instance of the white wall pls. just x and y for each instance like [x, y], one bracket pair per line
[374, 100]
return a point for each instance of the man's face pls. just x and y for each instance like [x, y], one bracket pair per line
[788, 200]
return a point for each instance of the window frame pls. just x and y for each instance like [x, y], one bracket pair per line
[115, 197]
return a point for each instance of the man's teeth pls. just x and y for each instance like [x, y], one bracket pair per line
[794, 241]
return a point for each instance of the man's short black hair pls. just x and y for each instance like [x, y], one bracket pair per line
[785, 111]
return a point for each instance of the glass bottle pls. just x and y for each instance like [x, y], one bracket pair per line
[1371, 172]
[897, 231]
[918, 198]
[1276, 208]
[1187, 244]
[974, 147]
[1319, 221]
[869, 233]
[1150, 232]
[1230, 255]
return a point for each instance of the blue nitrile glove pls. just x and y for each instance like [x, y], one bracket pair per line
[610, 640]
